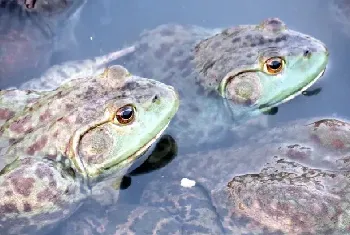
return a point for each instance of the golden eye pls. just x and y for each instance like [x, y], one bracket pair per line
[125, 115]
[274, 65]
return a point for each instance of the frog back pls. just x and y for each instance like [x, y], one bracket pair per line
[13, 102]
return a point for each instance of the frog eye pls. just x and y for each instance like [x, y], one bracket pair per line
[125, 115]
[274, 65]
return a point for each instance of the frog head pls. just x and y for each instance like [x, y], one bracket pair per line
[120, 128]
[260, 66]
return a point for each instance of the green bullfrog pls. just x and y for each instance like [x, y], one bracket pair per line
[62, 146]
[225, 76]
[292, 179]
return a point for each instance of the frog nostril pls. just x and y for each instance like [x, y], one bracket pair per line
[307, 53]
[155, 98]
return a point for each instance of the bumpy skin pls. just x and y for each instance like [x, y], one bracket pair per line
[29, 36]
[294, 181]
[219, 63]
[226, 63]
[56, 146]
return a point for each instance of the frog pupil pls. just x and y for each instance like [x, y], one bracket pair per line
[127, 113]
[275, 64]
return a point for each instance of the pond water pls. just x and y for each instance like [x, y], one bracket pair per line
[106, 25]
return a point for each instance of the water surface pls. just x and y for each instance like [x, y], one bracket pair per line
[115, 24]
[107, 25]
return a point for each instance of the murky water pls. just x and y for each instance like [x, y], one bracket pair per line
[107, 25]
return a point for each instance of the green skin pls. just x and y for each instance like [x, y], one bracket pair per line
[58, 146]
[226, 63]
[294, 181]
[216, 63]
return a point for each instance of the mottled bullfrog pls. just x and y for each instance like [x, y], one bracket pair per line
[31, 32]
[290, 180]
[226, 73]
[58, 147]
[222, 74]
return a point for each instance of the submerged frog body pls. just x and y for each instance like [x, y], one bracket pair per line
[58, 74]
[290, 180]
[30, 33]
[57, 146]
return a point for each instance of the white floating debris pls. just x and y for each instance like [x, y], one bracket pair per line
[187, 183]
[91, 38]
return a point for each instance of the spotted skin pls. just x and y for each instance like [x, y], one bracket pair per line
[56, 144]
[207, 65]
[291, 182]
[294, 173]
[13, 101]
[298, 200]
[180, 55]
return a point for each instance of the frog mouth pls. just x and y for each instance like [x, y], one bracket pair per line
[80, 166]
[136, 155]
[265, 106]
[144, 148]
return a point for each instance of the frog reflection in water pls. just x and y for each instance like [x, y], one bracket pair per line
[58, 147]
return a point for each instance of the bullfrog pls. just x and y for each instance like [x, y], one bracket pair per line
[225, 76]
[62, 146]
[233, 73]
[31, 32]
[292, 179]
